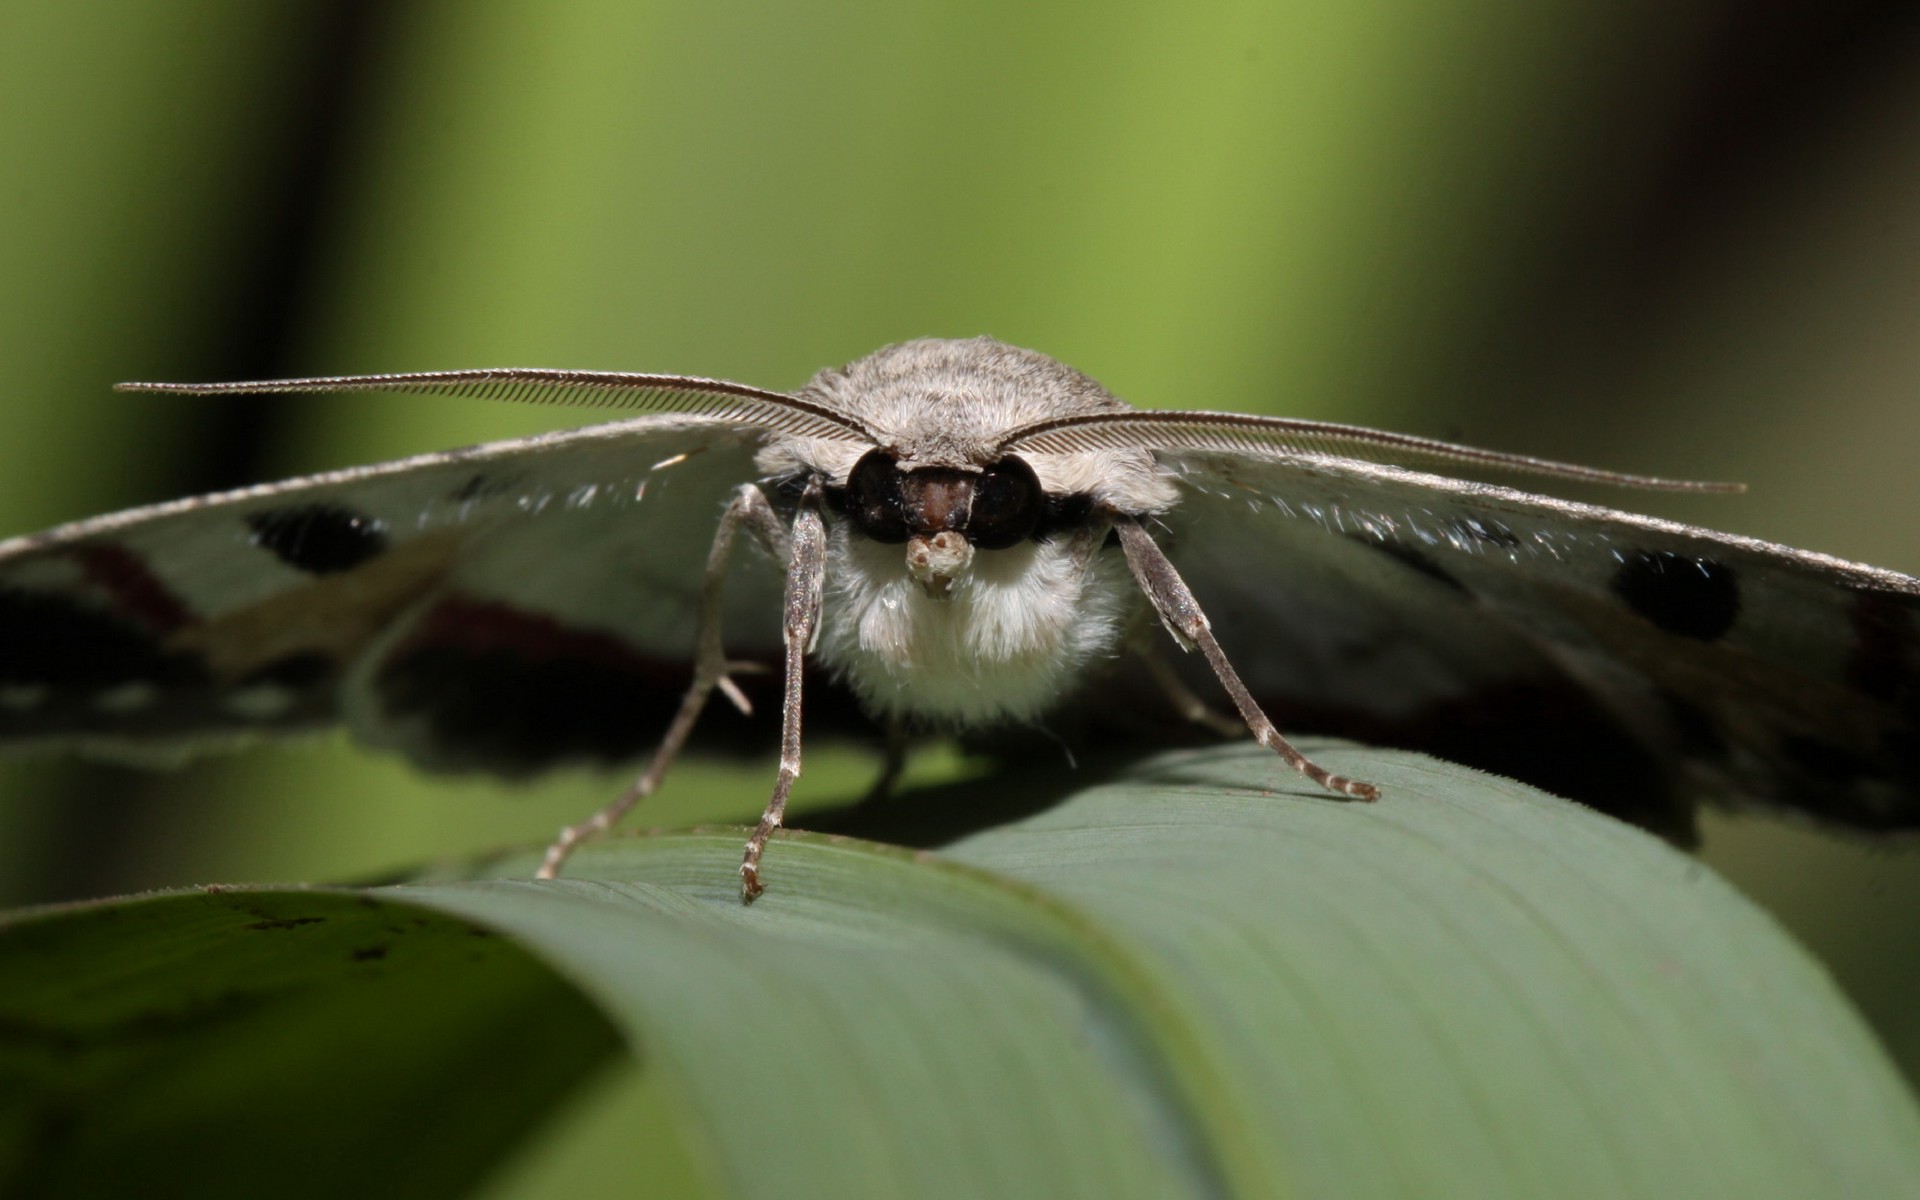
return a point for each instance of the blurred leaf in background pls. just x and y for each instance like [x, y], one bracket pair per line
[1677, 239]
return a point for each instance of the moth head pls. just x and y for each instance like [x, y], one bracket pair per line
[943, 514]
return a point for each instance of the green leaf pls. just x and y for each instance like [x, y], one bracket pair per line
[288, 1043]
[1198, 979]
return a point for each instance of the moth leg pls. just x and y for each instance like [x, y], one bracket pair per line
[749, 507]
[1185, 701]
[806, 576]
[1181, 614]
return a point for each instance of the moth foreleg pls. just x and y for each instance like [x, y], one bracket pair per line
[892, 765]
[806, 576]
[1182, 616]
[750, 508]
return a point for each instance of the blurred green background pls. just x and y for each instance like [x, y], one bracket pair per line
[1678, 239]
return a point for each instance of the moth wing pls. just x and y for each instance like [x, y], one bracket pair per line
[429, 603]
[1629, 662]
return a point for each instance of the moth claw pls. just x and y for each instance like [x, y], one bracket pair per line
[734, 695]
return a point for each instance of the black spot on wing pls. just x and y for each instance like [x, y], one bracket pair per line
[320, 539]
[1407, 556]
[52, 640]
[1690, 597]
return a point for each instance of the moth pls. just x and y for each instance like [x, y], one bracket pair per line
[960, 534]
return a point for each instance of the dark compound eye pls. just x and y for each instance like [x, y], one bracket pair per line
[873, 497]
[1007, 505]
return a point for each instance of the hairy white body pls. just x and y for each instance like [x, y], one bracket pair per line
[1019, 629]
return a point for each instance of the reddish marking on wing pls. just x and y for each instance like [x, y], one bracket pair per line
[135, 589]
[483, 626]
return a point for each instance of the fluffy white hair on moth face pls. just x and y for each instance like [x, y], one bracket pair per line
[1019, 628]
